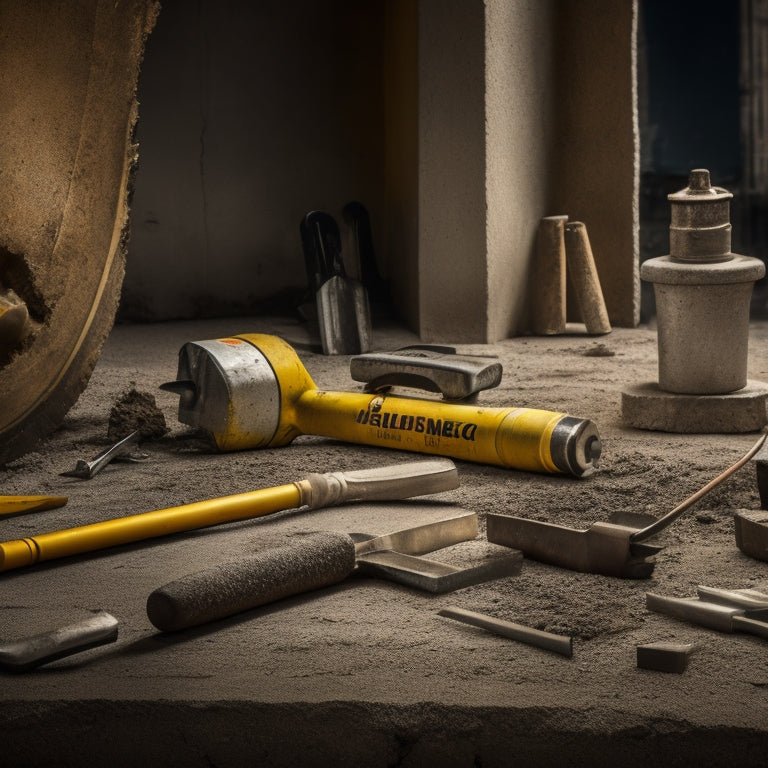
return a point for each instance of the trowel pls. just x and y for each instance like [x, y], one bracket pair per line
[343, 311]
[356, 217]
[321, 559]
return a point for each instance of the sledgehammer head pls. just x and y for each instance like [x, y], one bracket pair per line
[241, 390]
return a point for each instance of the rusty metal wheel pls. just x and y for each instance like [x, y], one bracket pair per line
[67, 96]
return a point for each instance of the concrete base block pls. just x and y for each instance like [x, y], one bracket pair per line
[647, 406]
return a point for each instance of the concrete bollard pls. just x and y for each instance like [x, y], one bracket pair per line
[702, 304]
[702, 295]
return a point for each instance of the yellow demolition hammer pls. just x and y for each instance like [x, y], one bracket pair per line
[252, 391]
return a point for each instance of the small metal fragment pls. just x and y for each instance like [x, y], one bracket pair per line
[121, 450]
[664, 657]
[748, 599]
[30, 652]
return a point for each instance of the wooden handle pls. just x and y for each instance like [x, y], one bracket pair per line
[584, 279]
[549, 278]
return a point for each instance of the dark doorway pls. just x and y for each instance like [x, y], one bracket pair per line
[698, 92]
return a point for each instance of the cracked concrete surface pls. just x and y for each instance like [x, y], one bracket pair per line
[366, 672]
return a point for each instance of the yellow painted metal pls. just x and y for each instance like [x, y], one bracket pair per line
[517, 438]
[146, 525]
[293, 380]
[16, 505]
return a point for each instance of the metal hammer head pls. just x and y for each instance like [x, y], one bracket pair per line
[241, 390]
[614, 548]
[603, 548]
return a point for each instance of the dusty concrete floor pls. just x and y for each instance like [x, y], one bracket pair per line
[366, 672]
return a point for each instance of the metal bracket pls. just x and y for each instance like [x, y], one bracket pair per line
[427, 367]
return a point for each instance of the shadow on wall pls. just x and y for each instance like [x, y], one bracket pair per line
[251, 115]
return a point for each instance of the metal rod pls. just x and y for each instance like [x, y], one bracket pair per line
[670, 517]
[546, 640]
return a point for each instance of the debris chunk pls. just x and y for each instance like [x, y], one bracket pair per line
[664, 657]
[135, 410]
[599, 350]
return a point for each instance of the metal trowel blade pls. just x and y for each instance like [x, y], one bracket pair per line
[344, 317]
[395, 556]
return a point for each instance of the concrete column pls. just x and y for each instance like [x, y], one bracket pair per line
[521, 130]
[453, 268]
[525, 110]
[596, 159]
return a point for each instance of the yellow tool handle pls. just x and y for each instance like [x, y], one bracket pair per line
[16, 505]
[317, 490]
[517, 438]
[147, 525]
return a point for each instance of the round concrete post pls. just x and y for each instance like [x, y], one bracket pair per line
[702, 295]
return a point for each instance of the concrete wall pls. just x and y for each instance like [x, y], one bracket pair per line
[596, 169]
[251, 115]
[459, 123]
[487, 130]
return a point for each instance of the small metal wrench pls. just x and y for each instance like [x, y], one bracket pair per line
[85, 470]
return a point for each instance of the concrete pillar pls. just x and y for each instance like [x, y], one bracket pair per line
[520, 131]
[525, 110]
[453, 267]
[597, 156]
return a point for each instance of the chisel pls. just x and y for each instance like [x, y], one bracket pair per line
[723, 618]
[400, 481]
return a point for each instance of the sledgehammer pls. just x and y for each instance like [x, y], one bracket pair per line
[252, 391]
